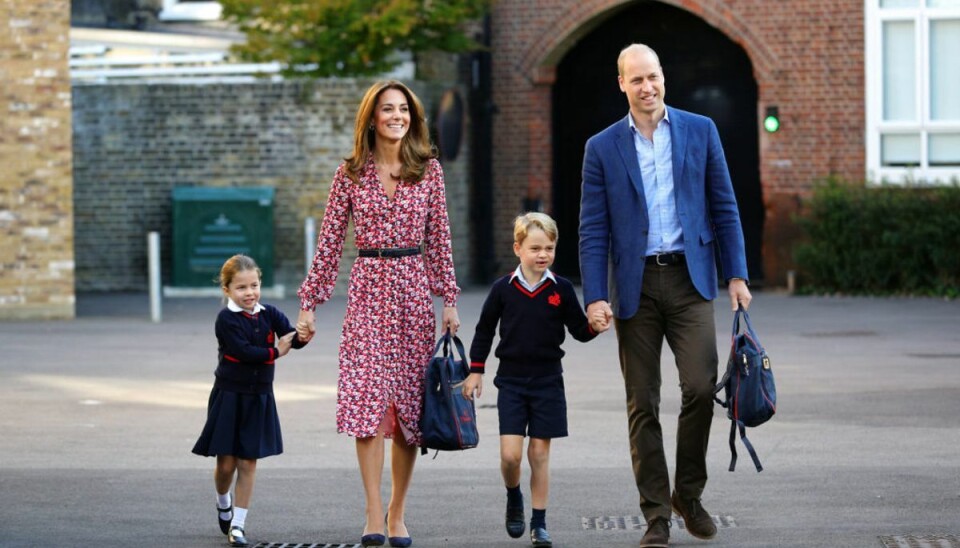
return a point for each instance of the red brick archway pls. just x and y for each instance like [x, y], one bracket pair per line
[797, 47]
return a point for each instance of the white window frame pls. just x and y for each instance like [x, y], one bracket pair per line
[876, 126]
[174, 10]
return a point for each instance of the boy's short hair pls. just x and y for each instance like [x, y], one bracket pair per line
[523, 223]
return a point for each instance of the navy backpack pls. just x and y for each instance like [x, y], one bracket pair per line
[750, 394]
[449, 420]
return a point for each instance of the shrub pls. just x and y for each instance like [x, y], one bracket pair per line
[880, 240]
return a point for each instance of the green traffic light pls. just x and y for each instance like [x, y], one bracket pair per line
[771, 124]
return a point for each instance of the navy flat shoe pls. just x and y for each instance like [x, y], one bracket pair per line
[400, 542]
[373, 539]
[397, 542]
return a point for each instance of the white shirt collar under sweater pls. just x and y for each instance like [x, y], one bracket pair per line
[518, 274]
[234, 307]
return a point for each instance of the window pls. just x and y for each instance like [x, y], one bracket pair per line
[913, 78]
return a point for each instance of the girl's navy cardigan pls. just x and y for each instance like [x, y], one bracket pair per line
[246, 348]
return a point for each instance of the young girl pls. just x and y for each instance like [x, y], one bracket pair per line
[242, 423]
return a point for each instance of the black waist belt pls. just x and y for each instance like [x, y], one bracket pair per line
[390, 252]
[665, 259]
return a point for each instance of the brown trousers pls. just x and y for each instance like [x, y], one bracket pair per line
[671, 308]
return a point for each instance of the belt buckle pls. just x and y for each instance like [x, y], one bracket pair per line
[379, 252]
[658, 259]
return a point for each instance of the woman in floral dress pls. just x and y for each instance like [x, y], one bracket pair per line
[392, 188]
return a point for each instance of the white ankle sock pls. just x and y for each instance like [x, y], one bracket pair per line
[239, 517]
[224, 500]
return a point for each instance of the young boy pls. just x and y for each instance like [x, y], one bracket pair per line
[532, 306]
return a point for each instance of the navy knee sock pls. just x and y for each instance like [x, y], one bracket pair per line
[539, 518]
[514, 497]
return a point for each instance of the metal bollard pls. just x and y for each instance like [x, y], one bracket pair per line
[153, 267]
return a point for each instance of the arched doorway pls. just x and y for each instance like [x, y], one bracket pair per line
[705, 72]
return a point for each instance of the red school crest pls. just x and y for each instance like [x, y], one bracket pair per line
[554, 299]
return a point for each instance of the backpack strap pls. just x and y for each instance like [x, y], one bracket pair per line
[734, 424]
[723, 384]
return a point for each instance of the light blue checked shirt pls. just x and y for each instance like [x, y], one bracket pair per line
[656, 167]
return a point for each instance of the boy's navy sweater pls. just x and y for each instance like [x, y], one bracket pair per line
[531, 327]
[246, 349]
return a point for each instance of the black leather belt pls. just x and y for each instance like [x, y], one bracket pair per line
[665, 259]
[389, 252]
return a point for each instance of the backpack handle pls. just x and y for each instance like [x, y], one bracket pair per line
[445, 340]
[748, 327]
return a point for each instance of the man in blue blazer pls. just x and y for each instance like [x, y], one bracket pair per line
[657, 205]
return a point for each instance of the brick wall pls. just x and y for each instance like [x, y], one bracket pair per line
[36, 219]
[134, 143]
[807, 57]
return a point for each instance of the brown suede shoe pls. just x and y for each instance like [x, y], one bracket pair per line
[695, 518]
[657, 535]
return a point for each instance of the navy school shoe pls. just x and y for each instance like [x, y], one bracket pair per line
[514, 520]
[539, 537]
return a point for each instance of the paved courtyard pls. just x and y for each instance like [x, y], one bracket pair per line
[98, 415]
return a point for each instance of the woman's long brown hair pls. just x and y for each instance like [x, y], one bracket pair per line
[415, 148]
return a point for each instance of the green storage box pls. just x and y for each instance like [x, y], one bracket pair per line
[212, 224]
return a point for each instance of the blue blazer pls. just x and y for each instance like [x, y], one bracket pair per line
[613, 212]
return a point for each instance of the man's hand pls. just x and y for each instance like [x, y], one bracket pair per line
[598, 321]
[599, 314]
[739, 294]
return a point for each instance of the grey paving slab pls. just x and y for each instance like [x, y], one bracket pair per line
[98, 415]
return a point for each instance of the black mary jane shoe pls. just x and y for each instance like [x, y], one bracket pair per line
[224, 523]
[236, 537]
[540, 538]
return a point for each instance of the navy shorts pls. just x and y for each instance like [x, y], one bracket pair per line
[532, 406]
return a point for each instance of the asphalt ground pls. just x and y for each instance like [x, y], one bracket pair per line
[98, 416]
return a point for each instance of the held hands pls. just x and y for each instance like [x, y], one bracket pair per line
[599, 314]
[450, 320]
[285, 342]
[306, 325]
[473, 385]
[739, 294]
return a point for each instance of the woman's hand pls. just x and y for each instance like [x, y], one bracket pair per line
[306, 326]
[451, 320]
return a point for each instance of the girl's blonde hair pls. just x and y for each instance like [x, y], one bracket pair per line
[523, 223]
[415, 149]
[234, 265]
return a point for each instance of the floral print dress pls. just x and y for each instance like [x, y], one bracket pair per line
[390, 328]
